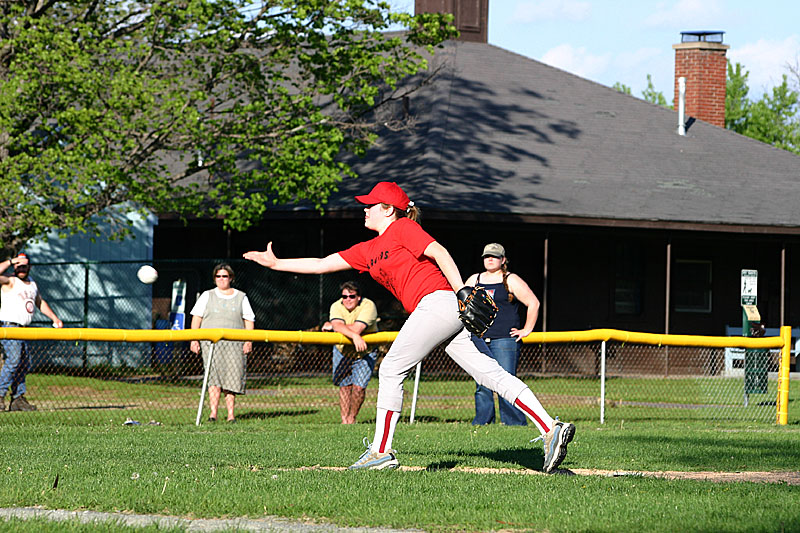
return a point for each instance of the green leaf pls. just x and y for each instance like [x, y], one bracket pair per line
[166, 106]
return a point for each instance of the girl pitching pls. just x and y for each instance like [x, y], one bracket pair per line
[419, 272]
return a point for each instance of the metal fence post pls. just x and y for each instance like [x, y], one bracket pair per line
[602, 382]
[85, 311]
[782, 414]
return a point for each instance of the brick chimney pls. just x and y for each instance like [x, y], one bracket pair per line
[700, 58]
[471, 16]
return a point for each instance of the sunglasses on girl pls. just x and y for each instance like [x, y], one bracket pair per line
[350, 296]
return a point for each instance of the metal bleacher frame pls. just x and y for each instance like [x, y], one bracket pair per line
[734, 357]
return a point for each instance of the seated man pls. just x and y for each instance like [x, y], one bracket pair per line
[352, 316]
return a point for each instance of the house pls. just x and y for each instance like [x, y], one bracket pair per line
[616, 215]
[92, 283]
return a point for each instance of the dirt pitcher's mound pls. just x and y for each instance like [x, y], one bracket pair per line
[790, 478]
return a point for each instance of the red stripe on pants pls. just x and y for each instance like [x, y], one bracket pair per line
[387, 424]
[532, 415]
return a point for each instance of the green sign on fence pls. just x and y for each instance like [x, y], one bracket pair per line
[749, 287]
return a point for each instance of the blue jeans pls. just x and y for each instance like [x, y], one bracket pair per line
[15, 367]
[353, 371]
[506, 353]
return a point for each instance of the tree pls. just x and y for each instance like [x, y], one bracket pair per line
[649, 94]
[773, 119]
[737, 105]
[154, 105]
[621, 87]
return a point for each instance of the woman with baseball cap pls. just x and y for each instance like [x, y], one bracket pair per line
[504, 337]
[420, 273]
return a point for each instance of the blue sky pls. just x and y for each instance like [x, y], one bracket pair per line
[612, 41]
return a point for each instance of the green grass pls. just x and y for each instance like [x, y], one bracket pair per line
[252, 469]
[44, 525]
[85, 400]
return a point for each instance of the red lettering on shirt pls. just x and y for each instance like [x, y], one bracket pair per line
[396, 260]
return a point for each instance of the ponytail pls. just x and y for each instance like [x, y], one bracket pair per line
[413, 212]
[504, 268]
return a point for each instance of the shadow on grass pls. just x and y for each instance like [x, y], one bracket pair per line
[530, 458]
[441, 465]
[92, 407]
[429, 418]
[693, 450]
[264, 415]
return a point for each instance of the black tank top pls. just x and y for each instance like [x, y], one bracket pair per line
[507, 312]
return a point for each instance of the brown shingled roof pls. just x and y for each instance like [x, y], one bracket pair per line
[501, 133]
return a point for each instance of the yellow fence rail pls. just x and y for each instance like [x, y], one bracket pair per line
[317, 337]
[325, 338]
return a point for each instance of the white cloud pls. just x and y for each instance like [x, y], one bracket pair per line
[687, 14]
[551, 10]
[577, 61]
[766, 60]
[638, 58]
[632, 68]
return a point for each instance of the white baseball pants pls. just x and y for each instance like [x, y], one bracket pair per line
[434, 321]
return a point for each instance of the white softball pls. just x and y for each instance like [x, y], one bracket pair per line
[147, 274]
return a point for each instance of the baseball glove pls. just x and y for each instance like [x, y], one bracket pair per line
[476, 309]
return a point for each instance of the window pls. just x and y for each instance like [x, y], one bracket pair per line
[691, 286]
[628, 280]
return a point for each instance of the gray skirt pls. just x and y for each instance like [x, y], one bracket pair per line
[228, 365]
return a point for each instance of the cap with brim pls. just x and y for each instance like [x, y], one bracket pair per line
[494, 250]
[386, 192]
[23, 255]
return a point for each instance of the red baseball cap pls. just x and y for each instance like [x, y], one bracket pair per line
[386, 192]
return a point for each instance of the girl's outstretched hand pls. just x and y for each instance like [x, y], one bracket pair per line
[265, 258]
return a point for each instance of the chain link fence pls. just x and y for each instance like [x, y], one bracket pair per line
[109, 295]
[162, 381]
[139, 382]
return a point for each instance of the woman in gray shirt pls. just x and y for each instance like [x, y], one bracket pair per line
[223, 307]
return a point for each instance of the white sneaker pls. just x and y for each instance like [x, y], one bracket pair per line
[555, 445]
[370, 460]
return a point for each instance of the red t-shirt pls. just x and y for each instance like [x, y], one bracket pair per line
[396, 261]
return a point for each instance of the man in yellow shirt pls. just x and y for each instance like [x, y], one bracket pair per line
[352, 316]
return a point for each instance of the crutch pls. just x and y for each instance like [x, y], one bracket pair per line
[205, 382]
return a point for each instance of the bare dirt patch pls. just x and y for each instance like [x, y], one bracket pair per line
[789, 478]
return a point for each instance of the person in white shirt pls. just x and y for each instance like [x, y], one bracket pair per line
[19, 298]
[223, 307]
